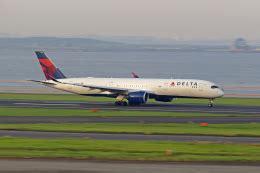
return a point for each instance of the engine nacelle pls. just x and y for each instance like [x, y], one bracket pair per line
[137, 98]
[163, 98]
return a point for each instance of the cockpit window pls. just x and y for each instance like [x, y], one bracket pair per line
[214, 86]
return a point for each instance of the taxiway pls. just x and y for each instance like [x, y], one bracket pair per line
[228, 109]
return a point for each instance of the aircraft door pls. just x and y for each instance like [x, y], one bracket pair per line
[202, 87]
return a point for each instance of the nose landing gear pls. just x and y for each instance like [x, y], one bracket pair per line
[210, 105]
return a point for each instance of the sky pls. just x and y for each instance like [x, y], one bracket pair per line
[177, 19]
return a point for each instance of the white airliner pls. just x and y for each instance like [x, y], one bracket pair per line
[135, 90]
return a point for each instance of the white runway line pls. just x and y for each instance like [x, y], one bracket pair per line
[46, 104]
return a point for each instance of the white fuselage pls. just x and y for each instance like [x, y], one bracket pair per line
[190, 88]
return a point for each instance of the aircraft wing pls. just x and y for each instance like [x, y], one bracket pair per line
[111, 89]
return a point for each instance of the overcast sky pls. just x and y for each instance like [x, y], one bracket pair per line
[183, 19]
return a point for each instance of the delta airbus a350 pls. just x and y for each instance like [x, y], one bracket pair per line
[128, 91]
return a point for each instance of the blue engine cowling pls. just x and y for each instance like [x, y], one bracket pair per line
[137, 98]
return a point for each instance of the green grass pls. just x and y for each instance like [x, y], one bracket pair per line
[7, 111]
[126, 150]
[247, 129]
[72, 97]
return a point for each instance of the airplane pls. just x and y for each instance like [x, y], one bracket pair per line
[128, 91]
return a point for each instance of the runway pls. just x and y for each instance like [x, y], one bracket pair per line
[228, 109]
[125, 119]
[135, 137]
[250, 114]
[81, 166]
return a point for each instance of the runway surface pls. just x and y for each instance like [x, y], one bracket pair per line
[136, 137]
[148, 107]
[125, 119]
[252, 114]
[81, 166]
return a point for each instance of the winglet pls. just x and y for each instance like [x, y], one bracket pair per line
[134, 75]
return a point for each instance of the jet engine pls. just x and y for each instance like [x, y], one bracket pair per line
[137, 98]
[163, 98]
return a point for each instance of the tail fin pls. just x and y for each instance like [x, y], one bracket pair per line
[48, 67]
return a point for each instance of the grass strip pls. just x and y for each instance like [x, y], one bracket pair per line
[72, 97]
[126, 150]
[248, 129]
[7, 111]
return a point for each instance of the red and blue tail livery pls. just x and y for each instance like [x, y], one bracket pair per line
[48, 67]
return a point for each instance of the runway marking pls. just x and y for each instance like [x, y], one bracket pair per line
[47, 104]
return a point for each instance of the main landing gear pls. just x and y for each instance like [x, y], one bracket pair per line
[210, 105]
[121, 103]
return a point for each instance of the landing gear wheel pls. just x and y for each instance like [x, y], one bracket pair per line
[124, 103]
[121, 103]
[210, 105]
[117, 103]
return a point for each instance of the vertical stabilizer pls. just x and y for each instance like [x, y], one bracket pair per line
[48, 67]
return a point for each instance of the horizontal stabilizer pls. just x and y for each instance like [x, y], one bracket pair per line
[43, 82]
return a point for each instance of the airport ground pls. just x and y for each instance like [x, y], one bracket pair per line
[75, 127]
[83, 166]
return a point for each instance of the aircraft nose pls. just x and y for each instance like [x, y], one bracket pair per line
[220, 93]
